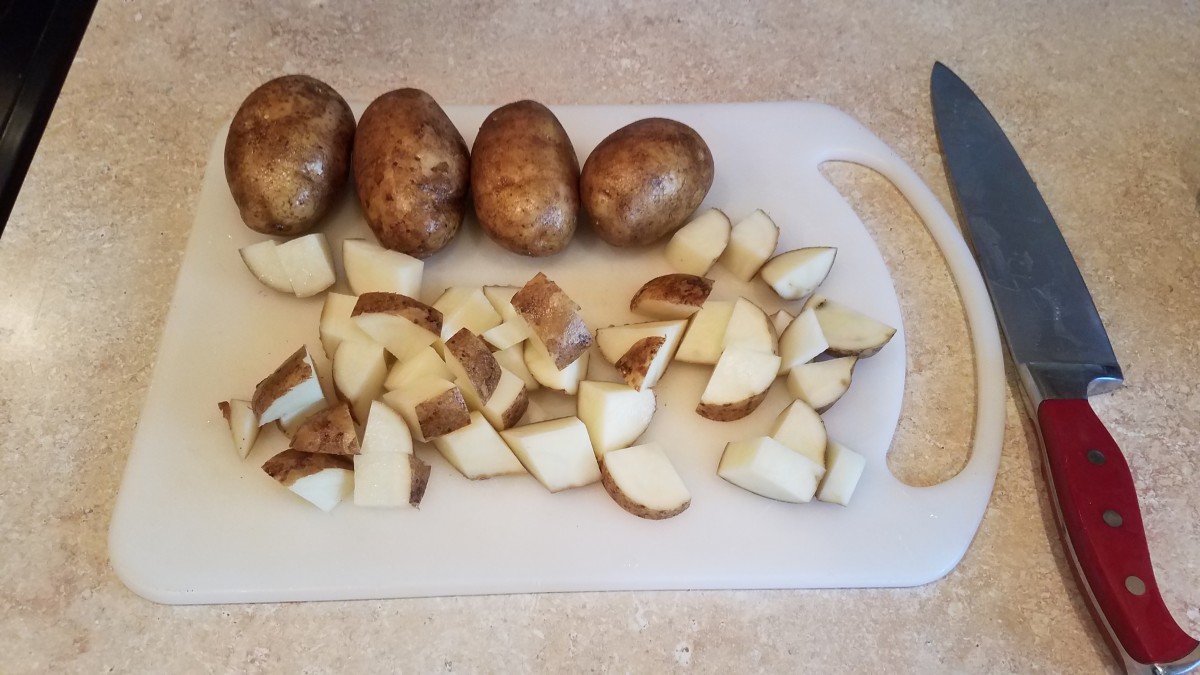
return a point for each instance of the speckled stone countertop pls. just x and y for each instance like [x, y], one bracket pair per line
[1102, 99]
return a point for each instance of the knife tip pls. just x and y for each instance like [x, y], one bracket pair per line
[945, 84]
[940, 70]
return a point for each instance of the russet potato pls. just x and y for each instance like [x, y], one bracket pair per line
[554, 320]
[328, 431]
[411, 171]
[321, 478]
[287, 155]
[671, 296]
[525, 179]
[644, 180]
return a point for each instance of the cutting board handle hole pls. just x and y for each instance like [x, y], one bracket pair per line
[932, 441]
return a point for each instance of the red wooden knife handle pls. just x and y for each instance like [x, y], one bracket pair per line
[1102, 524]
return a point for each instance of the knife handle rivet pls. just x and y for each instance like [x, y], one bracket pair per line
[1135, 585]
[1095, 457]
[1113, 518]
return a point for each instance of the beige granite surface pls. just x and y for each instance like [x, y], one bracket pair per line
[1103, 100]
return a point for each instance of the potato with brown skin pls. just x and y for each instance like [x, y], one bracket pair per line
[671, 296]
[431, 406]
[420, 481]
[644, 180]
[554, 318]
[292, 373]
[291, 465]
[514, 412]
[442, 414]
[287, 155]
[396, 304]
[411, 171]
[634, 365]
[730, 412]
[478, 364]
[330, 431]
[639, 510]
[525, 179]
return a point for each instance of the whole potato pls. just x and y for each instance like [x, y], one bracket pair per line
[411, 170]
[525, 179]
[644, 180]
[287, 156]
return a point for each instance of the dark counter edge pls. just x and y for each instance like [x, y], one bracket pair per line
[40, 73]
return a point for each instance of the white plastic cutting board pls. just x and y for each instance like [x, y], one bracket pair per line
[195, 524]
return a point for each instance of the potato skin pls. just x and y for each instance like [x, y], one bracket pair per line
[290, 373]
[525, 179]
[729, 412]
[443, 413]
[411, 171]
[483, 371]
[329, 431]
[554, 318]
[372, 302]
[644, 180]
[515, 412]
[687, 291]
[291, 465]
[610, 486]
[634, 364]
[420, 480]
[287, 155]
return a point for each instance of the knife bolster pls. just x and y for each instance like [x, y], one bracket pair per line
[1048, 381]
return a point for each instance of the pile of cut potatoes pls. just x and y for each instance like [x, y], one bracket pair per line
[456, 370]
[457, 373]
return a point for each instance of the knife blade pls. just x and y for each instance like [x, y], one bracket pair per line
[1062, 352]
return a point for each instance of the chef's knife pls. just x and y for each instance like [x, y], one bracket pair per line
[1063, 355]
